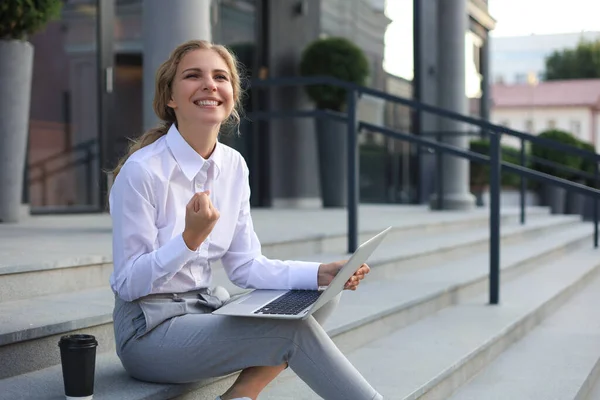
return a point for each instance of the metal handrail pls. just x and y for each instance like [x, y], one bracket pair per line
[486, 125]
[83, 146]
[481, 158]
[494, 159]
[45, 173]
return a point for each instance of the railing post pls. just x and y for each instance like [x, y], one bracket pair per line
[523, 181]
[44, 181]
[495, 170]
[439, 166]
[26, 181]
[88, 175]
[595, 204]
[353, 170]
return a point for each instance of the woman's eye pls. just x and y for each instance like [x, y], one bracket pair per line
[191, 76]
[221, 77]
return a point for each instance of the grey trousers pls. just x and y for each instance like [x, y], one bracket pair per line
[192, 347]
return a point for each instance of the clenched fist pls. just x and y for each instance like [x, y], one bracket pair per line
[200, 219]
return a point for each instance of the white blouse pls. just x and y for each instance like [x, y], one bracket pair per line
[147, 206]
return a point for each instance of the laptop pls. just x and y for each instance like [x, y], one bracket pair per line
[299, 304]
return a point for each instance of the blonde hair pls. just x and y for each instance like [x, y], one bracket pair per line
[163, 91]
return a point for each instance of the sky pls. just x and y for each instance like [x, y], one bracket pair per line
[543, 16]
[513, 18]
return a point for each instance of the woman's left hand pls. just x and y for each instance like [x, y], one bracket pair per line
[328, 271]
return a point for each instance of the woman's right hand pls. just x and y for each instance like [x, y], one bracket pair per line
[200, 219]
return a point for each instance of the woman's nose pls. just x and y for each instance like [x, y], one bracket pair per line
[209, 85]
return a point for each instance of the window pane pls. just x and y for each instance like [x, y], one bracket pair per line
[64, 120]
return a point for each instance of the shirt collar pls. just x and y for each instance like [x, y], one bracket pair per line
[187, 158]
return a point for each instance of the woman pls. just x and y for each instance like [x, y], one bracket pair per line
[180, 202]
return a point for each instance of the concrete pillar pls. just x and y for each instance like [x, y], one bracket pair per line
[452, 27]
[425, 88]
[167, 24]
[294, 174]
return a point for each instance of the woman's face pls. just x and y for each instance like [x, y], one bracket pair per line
[202, 90]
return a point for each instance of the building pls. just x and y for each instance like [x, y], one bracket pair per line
[570, 105]
[515, 58]
[102, 56]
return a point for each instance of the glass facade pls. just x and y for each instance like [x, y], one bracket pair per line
[235, 28]
[64, 166]
[62, 155]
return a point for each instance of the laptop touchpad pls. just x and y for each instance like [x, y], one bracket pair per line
[259, 298]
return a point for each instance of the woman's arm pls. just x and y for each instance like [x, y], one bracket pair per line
[248, 268]
[139, 264]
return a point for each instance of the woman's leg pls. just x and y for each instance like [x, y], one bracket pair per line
[253, 380]
[197, 346]
[323, 313]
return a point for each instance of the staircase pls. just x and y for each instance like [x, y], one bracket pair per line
[418, 328]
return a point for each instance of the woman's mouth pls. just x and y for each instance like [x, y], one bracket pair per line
[207, 103]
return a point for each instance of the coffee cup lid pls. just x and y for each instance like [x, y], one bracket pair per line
[78, 340]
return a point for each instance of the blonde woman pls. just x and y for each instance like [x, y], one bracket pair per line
[180, 202]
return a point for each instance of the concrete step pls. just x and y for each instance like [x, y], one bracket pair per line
[22, 280]
[431, 249]
[433, 357]
[555, 361]
[111, 383]
[594, 382]
[49, 317]
[302, 240]
[86, 239]
[390, 299]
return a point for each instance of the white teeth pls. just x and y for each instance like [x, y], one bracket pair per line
[207, 103]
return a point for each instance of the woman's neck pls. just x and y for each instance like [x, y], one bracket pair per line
[202, 140]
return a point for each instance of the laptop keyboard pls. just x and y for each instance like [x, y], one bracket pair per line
[291, 303]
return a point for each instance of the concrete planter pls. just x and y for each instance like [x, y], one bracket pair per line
[331, 146]
[556, 198]
[587, 213]
[16, 65]
[574, 203]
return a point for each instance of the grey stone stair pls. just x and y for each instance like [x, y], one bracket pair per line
[23, 275]
[590, 390]
[433, 357]
[402, 289]
[50, 316]
[558, 360]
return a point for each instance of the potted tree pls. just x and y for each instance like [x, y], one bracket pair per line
[575, 202]
[552, 195]
[342, 59]
[588, 166]
[480, 174]
[18, 20]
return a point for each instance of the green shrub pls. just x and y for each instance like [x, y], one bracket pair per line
[338, 58]
[22, 18]
[480, 173]
[560, 157]
[587, 165]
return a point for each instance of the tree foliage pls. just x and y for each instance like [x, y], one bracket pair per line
[22, 18]
[582, 62]
[336, 57]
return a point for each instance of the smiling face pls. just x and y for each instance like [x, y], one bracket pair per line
[201, 89]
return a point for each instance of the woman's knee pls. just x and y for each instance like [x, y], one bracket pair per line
[323, 314]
